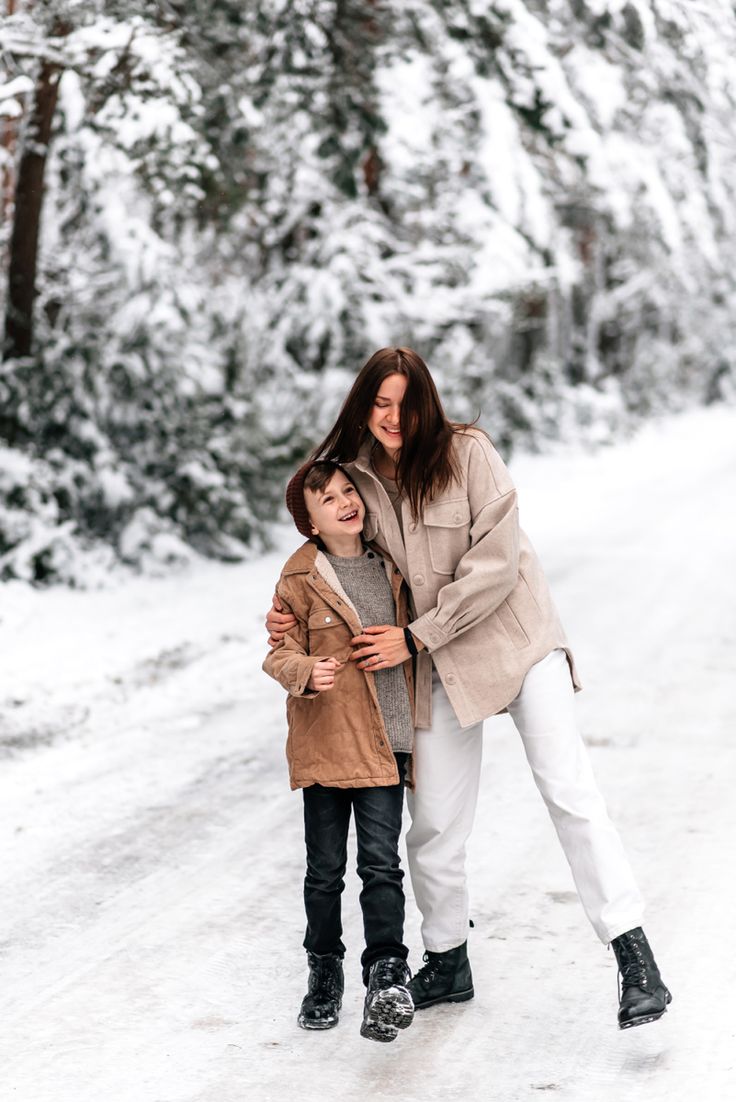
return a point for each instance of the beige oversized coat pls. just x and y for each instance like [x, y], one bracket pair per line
[336, 737]
[483, 607]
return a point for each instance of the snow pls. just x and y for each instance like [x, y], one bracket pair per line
[151, 923]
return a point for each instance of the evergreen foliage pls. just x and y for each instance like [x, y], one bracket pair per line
[244, 200]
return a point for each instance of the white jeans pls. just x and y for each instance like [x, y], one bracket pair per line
[447, 771]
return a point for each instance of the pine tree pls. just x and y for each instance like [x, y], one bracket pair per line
[243, 200]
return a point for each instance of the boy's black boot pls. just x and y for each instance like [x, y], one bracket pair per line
[444, 978]
[643, 997]
[323, 999]
[388, 1006]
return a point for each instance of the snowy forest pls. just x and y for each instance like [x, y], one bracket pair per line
[214, 211]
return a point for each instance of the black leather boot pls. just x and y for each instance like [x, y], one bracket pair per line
[445, 978]
[322, 1002]
[643, 996]
[388, 1006]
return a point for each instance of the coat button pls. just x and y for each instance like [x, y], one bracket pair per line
[451, 679]
[418, 579]
[328, 619]
[457, 517]
[434, 638]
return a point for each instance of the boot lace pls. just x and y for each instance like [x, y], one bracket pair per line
[388, 972]
[324, 978]
[633, 971]
[429, 971]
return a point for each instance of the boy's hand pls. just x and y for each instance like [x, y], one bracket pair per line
[278, 622]
[385, 647]
[323, 674]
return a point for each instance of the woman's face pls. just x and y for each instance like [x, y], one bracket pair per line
[384, 420]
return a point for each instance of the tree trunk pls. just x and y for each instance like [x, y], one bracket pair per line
[29, 191]
[8, 132]
[8, 140]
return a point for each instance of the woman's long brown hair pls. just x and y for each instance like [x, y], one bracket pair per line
[426, 464]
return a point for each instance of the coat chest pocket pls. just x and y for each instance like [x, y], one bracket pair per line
[328, 635]
[447, 524]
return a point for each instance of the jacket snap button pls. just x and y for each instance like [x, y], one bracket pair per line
[450, 679]
[328, 619]
[419, 579]
[457, 517]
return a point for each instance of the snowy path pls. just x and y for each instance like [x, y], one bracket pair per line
[151, 921]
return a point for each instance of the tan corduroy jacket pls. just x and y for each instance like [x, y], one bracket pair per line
[482, 605]
[336, 737]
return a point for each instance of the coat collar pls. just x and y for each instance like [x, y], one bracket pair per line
[325, 568]
[302, 561]
[363, 459]
[385, 519]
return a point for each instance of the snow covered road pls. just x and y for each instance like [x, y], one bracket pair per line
[151, 924]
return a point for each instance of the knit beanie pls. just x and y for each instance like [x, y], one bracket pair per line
[295, 502]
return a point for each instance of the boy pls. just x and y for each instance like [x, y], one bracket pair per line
[350, 736]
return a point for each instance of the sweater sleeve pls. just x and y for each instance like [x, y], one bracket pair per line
[489, 569]
[289, 662]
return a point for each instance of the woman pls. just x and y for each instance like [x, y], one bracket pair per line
[487, 639]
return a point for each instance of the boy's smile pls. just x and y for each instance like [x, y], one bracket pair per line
[337, 513]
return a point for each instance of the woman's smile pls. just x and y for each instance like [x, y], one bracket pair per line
[384, 421]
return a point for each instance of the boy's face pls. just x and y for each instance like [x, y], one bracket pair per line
[337, 509]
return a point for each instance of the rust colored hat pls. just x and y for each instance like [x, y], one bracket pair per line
[295, 502]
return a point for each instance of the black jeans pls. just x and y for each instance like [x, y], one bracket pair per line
[377, 825]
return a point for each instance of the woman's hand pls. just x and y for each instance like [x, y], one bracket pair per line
[384, 647]
[278, 622]
[322, 676]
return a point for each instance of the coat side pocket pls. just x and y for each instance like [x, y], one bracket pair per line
[511, 625]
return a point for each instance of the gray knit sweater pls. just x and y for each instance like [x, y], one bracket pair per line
[365, 582]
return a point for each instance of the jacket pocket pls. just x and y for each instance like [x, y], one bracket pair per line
[511, 625]
[447, 524]
[329, 636]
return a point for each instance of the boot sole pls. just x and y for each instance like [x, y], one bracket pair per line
[315, 1027]
[373, 1031]
[455, 997]
[642, 1021]
[647, 1017]
[318, 1024]
[389, 1013]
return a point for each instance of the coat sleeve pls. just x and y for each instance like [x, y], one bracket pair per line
[489, 569]
[289, 661]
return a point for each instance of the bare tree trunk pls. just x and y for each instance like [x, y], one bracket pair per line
[29, 192]
[8, 140]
